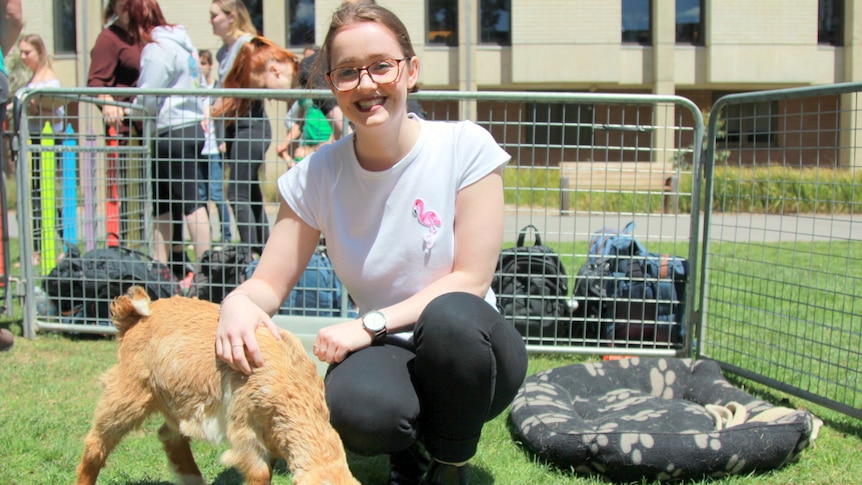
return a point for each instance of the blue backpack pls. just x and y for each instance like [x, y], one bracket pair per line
[630, 296]
[317, 293]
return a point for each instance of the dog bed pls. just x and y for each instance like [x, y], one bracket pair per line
[659, 419]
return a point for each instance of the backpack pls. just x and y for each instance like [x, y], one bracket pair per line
[628, 295]
[84, 286]
[318, 291]
[532, 288]
[219, 271]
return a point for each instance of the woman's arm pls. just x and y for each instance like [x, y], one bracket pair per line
[251, 304]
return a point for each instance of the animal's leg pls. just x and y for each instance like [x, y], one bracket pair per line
[248, 453]
[122, 408]
[180, 457]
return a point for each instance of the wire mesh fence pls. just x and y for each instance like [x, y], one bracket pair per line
[782, 300]
[606, 184]
[580, 163]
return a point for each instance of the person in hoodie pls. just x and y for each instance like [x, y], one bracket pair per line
[170, 60]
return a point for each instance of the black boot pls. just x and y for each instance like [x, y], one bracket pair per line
[444, 474]
[408, 466]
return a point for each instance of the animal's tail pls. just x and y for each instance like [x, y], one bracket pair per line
[127, 310]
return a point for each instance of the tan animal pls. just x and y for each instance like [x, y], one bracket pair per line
[166, 363]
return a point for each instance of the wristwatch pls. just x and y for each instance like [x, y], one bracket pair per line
[375, 323]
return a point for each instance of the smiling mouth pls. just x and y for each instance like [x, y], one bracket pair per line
[368, 104]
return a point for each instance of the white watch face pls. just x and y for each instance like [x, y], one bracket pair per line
[374, 321]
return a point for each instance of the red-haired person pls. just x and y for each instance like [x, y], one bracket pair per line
[413, 216]
[248, 135]
[170, 60]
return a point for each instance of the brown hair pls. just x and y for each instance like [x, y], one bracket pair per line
[351, 13]
[39, 47]
[240, 12]
[144, 16]
[248, 67]
[108, 14]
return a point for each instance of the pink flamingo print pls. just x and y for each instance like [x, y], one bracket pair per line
[429, 219]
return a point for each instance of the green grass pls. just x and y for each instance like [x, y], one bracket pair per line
[763, 190]
[51, 385]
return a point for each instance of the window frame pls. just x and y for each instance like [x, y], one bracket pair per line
[558, 124]
[300, 39]
[495, 37]
[640, 36]
[831, 34]
[697, 34]
[65, 42]
[448, 35]
[751, 124]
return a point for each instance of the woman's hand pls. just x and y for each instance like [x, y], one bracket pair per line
[113, 115]
[334, 342]
[235, 342]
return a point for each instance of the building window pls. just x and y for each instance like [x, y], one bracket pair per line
[301, 15]
[559, 125]
[255, 11]
[689, 22]
[495, 22]
[830, 22]
[65, 32]
[637, 22]
[443, 22]
[751, 124]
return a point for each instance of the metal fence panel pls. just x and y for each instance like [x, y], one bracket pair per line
[581, 162]
[782, 261]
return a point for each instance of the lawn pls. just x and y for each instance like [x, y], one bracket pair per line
[51, 387]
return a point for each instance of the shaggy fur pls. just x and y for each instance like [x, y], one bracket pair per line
[166, 363]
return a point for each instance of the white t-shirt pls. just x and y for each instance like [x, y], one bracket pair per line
[36, 122]
[390, 234]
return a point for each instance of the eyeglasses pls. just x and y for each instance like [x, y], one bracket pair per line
[381, 72]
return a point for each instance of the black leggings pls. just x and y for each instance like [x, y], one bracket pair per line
[247, 142]
[462, 368]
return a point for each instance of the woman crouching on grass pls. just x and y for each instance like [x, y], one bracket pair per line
[412, 212]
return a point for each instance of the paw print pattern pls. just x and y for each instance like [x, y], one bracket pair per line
[633, 444]
[661, 381]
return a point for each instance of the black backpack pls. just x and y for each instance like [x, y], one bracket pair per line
[532, 288]
[219, 271]
[84, 286]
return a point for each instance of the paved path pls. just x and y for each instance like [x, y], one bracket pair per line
[724, 227]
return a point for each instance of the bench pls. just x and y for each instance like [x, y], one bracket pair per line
[615, 177]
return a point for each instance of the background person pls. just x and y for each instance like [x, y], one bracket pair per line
[247, 130]
[11, 23]
[307, 121]
[412, 212]
[169, 60]
[115, 62]
[40, 110]
[212, 187]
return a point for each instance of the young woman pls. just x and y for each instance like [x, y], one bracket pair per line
[35, 56]
[412, 212]
[115, 62]
[170, 60]
[247, 133]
